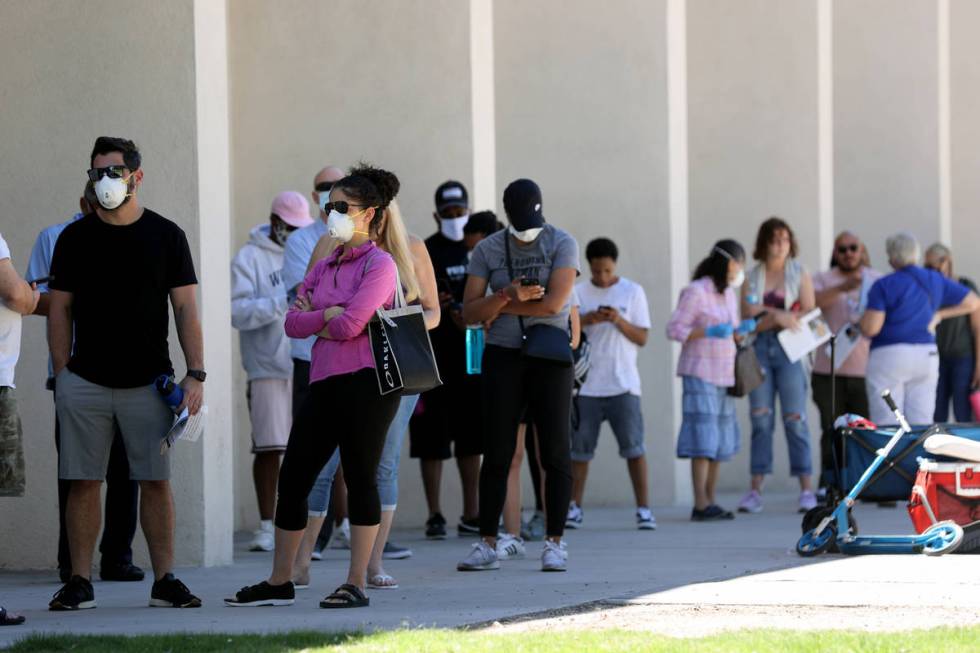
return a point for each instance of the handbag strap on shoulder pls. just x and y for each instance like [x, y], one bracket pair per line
[510, 275]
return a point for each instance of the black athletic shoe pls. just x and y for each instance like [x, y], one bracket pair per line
[254, 596]
[468, 527]
[126, 572]
[168, 592]
[711, 513]
[77, 594]
[435, 528]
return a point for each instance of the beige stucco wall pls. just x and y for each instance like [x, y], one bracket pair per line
[70, 74]
[965, 135]
[315, 83]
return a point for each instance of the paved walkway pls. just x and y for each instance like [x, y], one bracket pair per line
[748, 562]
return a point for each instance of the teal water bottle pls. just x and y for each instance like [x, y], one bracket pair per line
[474, 349]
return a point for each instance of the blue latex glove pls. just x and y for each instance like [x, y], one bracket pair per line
[719, 331]
[747, 326]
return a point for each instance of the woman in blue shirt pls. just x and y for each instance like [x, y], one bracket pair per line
[903, 310]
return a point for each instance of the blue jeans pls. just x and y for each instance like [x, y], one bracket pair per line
[955, 377]
[789, 382]
[319, 499]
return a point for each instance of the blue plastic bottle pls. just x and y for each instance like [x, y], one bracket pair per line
[474, 349]
[172, 393]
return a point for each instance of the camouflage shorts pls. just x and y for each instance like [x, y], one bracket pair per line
[11, 446]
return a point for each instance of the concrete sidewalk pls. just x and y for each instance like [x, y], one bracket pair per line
[746, 562]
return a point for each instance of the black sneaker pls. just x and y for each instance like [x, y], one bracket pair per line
[394, 552]
[254, 596]
[168, 592]
[711, 513]
[435, 528]
[468, 527]
[77, 594]
[125, 572]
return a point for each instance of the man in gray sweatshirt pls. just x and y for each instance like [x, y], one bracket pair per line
[258, 311]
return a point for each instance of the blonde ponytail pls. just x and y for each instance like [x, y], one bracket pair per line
[393, 238]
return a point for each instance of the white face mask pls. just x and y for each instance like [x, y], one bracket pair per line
[738, 280]
[526, 236]
[324, 198]
[452, 228]
[340, 226]
[112, 193]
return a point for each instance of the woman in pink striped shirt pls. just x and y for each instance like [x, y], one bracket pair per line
[344, 408]
[706, 322]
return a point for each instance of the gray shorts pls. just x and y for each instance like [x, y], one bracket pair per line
[624, 416]
[86, 414]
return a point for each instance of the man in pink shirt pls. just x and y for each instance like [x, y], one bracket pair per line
[841, 294]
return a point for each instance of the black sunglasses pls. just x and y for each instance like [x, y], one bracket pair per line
[844, 249]
[339, 206]
[112, 172]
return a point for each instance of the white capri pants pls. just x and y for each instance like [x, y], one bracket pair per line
[911, 373]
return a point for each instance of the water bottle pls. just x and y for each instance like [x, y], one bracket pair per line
[173, 394]
[474, 349]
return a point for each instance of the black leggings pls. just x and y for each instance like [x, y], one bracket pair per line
[345, 411]
[512, 382]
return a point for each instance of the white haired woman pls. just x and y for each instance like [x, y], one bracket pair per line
[903, 310]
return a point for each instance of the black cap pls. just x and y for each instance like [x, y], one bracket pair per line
[522, 203]
[451, 193]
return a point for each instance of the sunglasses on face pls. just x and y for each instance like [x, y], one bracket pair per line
[112, 172]
[339, 206]
[323, 187]
[844, 249]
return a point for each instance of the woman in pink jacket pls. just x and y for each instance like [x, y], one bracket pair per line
[337, 299]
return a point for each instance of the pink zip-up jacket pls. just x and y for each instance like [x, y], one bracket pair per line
[360, 282]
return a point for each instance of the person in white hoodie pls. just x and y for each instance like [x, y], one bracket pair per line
[258, 311]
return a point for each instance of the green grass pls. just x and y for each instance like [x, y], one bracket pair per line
[948, 640]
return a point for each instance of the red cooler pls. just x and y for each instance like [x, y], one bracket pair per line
[945, 491]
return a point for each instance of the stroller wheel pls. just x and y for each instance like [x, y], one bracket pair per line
[946, 538]
[812, 544]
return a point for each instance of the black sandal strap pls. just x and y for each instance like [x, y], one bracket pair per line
[347, 594]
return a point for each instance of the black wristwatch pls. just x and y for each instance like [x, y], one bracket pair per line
[200, 375]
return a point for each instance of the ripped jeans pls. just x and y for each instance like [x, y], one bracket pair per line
[789, 382]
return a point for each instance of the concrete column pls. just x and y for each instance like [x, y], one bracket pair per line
[965, 135]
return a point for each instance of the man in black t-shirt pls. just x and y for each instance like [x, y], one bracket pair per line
[113, 272]
[451, 412]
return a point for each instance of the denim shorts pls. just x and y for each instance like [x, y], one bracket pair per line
[709, 427]
[624, 416]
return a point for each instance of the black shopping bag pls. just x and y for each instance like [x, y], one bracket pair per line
[403, 357]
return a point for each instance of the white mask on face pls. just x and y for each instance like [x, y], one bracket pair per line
[112, 193]
[324, 198]
[738, 280]
[452, 228]
[526, 236]
[340, 226]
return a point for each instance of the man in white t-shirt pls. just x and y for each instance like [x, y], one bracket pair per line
[17, 298]
[616, 320]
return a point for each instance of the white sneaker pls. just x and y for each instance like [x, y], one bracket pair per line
[574, 517]
[263, 541]
[341, 536]
[510, 547]
[481, 557]
[316, 555]
[645, 520]
[554, 557]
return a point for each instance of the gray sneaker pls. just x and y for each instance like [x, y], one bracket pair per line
[554, 557]
[482, 556]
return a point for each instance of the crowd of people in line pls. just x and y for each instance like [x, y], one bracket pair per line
[558, 359]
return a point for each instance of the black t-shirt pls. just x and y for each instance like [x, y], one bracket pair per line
[954, 337]
[120, 278]
[449, 260]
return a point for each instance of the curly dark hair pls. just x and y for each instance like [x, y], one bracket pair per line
[372, 187]
[715, 265]
[767, 233]
[126, 147]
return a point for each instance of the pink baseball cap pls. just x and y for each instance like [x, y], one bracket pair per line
[293, 208]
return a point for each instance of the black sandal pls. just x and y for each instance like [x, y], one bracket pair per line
[7, 619]
[346, 596]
